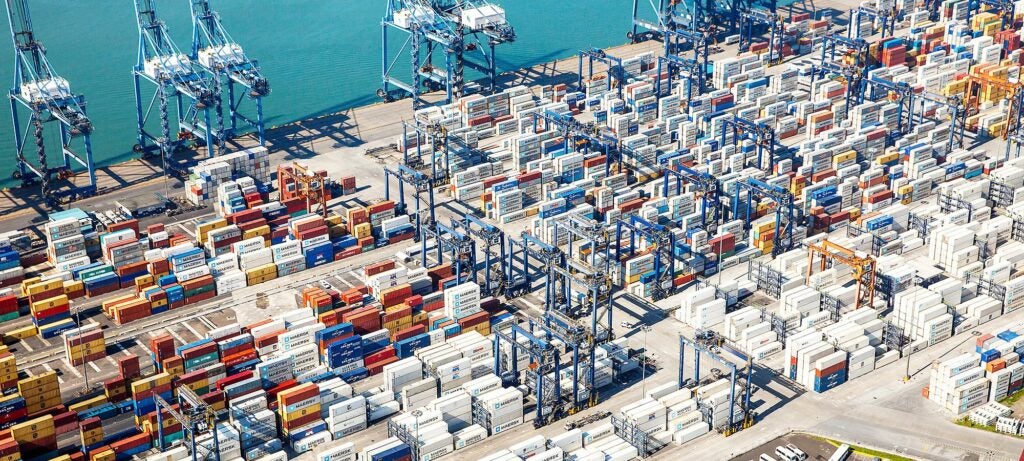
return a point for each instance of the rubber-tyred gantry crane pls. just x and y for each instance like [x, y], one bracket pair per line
[48, 97]
[297, 180]
[864, 268]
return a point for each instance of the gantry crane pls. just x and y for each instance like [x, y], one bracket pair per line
[787, 215]
[753, 17]
[1013, 93]
[48, 97]
[195, 417]
[864, 267]
[886, 20]
[1005, 9]
[666, 15]
[451, 28]
[227, 63]
[615, 77]
[161, 63]
[694, 69]
[705, 185]
[761, 133]
[298, 180]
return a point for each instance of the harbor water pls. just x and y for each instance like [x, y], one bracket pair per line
[319, 56]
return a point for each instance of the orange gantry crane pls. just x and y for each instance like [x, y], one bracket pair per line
[863, 265]
[298, 180]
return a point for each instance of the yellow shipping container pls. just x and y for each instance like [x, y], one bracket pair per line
[764, 227]
[73, 286]
[333, 220]
[44, 396]
[144, 281]
[198, 384]
[33, 429]
[24, 332]
[50, 303]
[146, 384]
[87, 404]
[532, 211]
[37, 382]
[203, 229]
[40, 287]
[362, 230]
[16, 456]
[269, 269]
[315, 408]
[419, 317]
[633, 278]
[91, 346]
[399, 324]
[996, 129]
[256, 232]
[105, 455]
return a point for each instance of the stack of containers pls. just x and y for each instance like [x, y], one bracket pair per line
[41, 392]
[8, 307]
[85, 344]
[52, 316]
[298, 407]
[498, 410]
[347, 417]
[8, 372]
[35, 437]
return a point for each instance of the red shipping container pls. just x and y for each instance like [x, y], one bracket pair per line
[235, 378]
[132, 224]
[409, 332]
[377, 268]
[383, 354]
[379, 366]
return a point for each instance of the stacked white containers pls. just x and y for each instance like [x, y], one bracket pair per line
[958, 384]
[461, 301]
[65, 244]
[649, 415]
[701, 309]
[499, 410]
[347, 417]
[208, 175]
[456, 409]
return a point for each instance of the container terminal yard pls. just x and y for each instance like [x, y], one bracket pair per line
[749, 230]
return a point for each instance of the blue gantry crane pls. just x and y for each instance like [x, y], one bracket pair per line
[705, 185]
[786, 213]
[882, 21]
[459, 247]
[523, 275]
[161, 63]
[421, 185]
[694, 68]
[662, 242]
[858, 48]
[876, 88]
[450, 29]
[752, 18]
[215, 50]
[616, 74]
[581, 136]
[761, 133]
[706, 344]
[854, 77]
[1004, 8]
[195, 417]
[493, 244]
[48, 98]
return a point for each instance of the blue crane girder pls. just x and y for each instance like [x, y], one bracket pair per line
[32, 71]
[228, 67]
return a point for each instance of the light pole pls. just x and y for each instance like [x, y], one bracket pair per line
[643, 366]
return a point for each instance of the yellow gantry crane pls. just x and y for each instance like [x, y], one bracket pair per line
[863, 265]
